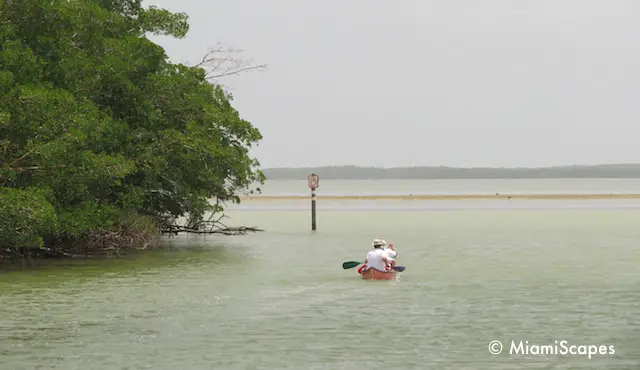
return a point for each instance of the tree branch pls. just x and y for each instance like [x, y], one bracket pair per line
[222, 62]
[242, 230]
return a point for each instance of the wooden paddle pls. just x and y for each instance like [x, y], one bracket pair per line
[352, 264]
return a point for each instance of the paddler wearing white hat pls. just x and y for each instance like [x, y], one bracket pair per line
[381, 257]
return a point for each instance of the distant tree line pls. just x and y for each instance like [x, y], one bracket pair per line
[361, 173]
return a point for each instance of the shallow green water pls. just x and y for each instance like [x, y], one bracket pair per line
[280, 299]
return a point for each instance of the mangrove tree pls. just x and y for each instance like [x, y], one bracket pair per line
[102, 139]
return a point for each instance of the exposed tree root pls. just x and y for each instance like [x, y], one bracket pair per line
[114, 243]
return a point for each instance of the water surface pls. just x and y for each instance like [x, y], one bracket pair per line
[455, 186]
[280, 300]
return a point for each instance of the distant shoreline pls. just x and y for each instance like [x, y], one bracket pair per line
[548, 196]
[443, 173]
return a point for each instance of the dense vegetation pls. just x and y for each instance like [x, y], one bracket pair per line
[356, 173]
[102, 139]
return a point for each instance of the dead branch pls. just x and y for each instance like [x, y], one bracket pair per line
[222, 62]
[212, 225]
[242, 230]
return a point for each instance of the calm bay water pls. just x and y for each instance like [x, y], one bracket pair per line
[280, 299]
[480, 186]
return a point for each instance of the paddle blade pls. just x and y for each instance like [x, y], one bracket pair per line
[350, 264]
[399, 268]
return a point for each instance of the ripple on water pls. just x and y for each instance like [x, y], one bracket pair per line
[282, 301]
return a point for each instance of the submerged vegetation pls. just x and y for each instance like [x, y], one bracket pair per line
[103, 141]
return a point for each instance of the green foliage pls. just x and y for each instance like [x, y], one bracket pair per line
[26, 216]
[94, 113]
[163, 22]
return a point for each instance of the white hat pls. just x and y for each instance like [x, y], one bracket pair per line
[379, 243]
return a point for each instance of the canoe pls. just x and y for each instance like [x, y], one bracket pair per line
[373, 274]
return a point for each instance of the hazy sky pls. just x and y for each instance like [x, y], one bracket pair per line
[419, 82]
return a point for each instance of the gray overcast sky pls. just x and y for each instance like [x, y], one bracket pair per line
[419, 82]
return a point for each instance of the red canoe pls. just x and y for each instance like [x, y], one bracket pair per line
[373, 274]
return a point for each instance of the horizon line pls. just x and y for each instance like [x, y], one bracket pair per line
[453, 167]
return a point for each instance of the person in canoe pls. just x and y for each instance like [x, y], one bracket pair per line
[391, 250]
[379, 258]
